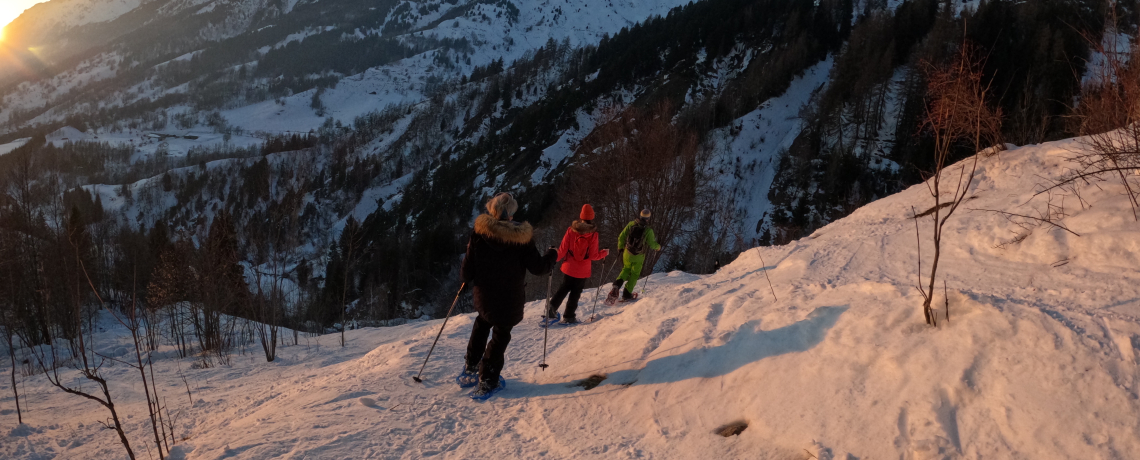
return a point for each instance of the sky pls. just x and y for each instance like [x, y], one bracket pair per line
[11, 9]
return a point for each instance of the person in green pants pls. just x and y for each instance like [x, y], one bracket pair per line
[636, 238]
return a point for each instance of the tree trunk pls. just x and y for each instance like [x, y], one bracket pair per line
[15, 390]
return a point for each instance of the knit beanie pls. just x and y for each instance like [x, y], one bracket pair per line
[502, 206]
[587, 212]
[645, 214]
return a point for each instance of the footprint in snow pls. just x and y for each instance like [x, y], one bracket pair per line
[589, 383]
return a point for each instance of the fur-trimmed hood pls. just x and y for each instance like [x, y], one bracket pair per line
[503, 230]
[582, 227]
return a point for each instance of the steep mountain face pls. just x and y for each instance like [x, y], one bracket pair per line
[364, 135]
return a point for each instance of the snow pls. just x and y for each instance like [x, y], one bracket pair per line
[402, 82]
[557, 153]
[369, 201]
[1038, 359]
[1117, 44]
[753, 153]
[37, 95]
[60, 14]
[959, 6]
[487, 27]
[9, 147]
[177, 143]
[350, 99]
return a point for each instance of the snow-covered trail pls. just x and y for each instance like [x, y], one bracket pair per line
[1038, 360]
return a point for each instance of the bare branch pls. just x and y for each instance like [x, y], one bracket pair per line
[1036, 219]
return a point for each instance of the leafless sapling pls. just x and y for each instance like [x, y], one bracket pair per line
[956, 114]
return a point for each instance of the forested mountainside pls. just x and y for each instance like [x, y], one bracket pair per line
[332, 154]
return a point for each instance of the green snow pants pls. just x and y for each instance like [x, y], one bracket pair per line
[631, 269]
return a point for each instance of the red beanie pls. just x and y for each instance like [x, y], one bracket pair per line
[587, 212]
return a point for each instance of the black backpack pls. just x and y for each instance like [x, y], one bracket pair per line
[635, 241]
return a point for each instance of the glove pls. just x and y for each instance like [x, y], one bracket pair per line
[604, 253]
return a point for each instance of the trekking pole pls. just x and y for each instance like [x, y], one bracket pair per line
[546, 330]
[599, 290]
[449, 310]
[646, 283]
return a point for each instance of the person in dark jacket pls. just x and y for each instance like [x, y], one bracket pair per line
[499, 254]
[579, 248]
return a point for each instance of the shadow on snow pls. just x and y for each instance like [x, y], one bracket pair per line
[748, 344]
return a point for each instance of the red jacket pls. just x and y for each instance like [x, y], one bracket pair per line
[579, 248]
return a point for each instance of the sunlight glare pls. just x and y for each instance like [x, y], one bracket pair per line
[12, 9]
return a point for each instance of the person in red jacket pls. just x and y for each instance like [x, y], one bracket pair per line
[579, 248]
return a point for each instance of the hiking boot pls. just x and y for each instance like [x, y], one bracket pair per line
[487, 388]
[569, 320]
[626, 295]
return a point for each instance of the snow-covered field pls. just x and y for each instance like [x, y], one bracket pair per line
[176, 143]
[1037, 361]
[9, 147]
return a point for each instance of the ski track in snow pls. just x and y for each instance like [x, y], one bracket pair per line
[1038, 360]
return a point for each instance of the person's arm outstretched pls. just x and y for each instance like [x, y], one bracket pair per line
[651, 240]
[538, 263]
[564, 248]
[596, 254]
[467, 269]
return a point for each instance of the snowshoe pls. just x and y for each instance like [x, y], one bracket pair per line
[484, 391]
[547, 321]
[612, 297]
[467, 379]
[630, 299]
[569, 321]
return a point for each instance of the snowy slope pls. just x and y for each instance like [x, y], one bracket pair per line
[491, 29]
[492, 37]
[65, 14]
[9, 147]
[756, 141]
[1038, 360]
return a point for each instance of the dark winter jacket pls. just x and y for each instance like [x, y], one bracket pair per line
[579, 248]
[499, 254]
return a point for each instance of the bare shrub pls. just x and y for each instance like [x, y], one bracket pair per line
[956, 115]
[1107, 118]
